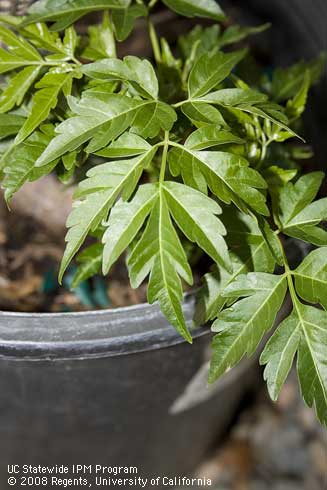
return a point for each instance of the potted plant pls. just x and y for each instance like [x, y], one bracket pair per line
[178, 155]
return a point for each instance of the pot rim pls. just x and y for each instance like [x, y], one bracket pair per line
[91, 334]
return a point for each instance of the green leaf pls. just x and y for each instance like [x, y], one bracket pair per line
[124, 19]
[20, 52]
[275, 117]
[296, 106]
[196, 216]
[68, 10]
[227, 175]
[311, 363]
[304, 225]
[304, 331]
[236, 33]
[279, 353]
[101, 41]
[201, 113]
[127, 145]
[96, 119]
[43, 38]
[138, 73]
[89, 264]
[126, 219]
[20, 164]
[198, 41]
[196, 8]
[10, 124]
[211, 135]
[242, 326]
[17, 87]
[234, 97]
[44, 100]
[19, 46]
[95, 197]
[210, 70]
[288, 81]
[153, 117]
[248, 251]
[311, 277]
[160, 253]
[293, 198]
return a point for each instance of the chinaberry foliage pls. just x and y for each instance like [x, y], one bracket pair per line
[187, 151]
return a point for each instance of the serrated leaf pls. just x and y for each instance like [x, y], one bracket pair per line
[89, 264]
[210, 70]
[124, 19]
[43, 101]
[127, 145]
[95, 197]
[160, 253]
[311, 362]
[17, 87]
[196, 8]
[20, 164]
[138, 73]
[96, 119]
[304, 331]
[248, 252]
[196, 216]
[125, 220]
[279, 352]
[211, 135]
[242, 326]
[101, 41]
[68, 10]
[311, 277]
[227, 175]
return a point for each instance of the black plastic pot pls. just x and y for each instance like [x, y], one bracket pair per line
[113, 387]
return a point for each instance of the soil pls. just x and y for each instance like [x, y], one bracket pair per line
[31, 246]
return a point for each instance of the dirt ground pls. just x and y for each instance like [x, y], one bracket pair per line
[272, 447]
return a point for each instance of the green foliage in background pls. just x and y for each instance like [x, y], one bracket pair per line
[179, 153]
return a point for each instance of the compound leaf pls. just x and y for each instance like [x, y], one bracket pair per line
[160, 253]
[210, 70]
[242, 326]
[196, 215]
[125, 220]
[95, 197]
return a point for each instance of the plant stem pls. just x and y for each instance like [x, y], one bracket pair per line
[154, 41]
[290, 283]
[164, 158]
